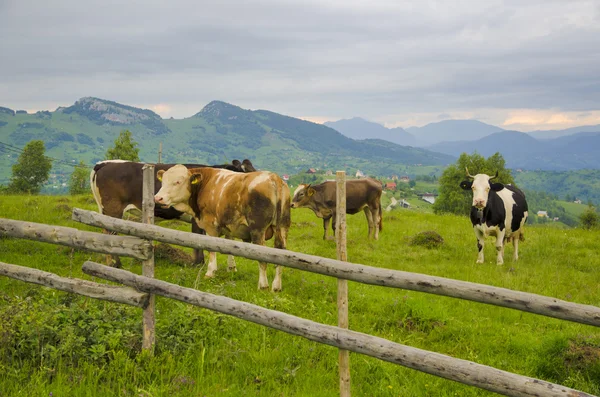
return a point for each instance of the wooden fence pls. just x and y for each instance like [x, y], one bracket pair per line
[463, 371]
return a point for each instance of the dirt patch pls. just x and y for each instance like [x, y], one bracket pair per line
[428, 239]
[420, 324]
[63, 208]
[304, 224]
[173, 255]
[581, 355]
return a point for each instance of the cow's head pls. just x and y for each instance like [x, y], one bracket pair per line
[481, 186]
[176, 185]
[302, 195]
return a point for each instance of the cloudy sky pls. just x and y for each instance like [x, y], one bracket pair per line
[520, 64]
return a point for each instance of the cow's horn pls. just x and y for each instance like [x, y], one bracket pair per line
[495, 176]
[469, 175]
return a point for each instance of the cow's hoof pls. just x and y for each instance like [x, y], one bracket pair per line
[499, 263]
[232, 269]
[479, 261]
[209, 275]
[263, 287]
[277, 289]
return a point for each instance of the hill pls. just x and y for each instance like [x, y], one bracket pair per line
[358, 128]
[218, 133]
[452, 130]
[521, 150]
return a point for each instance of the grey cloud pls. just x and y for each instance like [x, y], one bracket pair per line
[345, 58]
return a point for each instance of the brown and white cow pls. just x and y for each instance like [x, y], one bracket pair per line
[252, 207]
[361, 194]
[117, 187]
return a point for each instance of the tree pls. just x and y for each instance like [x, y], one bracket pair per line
[589, 218]
[412, 183]
[79, 181]
[31, 170]
[125, 148]
[453, 199]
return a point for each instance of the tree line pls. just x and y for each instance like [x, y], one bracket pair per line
[32, 170]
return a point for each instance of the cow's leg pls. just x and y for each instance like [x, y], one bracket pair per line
[231, 263]
[326, 222]
[212, 265]
[281, 243]
[500, 246]
[258, 237]
[369, 216]
[198, 253]
[516, 246]
[480, 244]
[333, 220]
[112, 260]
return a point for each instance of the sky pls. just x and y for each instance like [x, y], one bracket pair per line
[521, 65]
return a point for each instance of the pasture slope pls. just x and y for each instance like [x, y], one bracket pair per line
[54, 343]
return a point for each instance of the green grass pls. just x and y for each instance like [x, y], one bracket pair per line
[69, 345]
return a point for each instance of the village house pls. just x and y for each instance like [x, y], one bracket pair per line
[390, 186]
[405, 179]
[311, 171]
[542, 214]
[429, 197]
[359, 174]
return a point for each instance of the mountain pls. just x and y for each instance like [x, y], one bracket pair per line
[520, 150]
[551, 134]
[358, 128]
[219, 133]
[451, 130]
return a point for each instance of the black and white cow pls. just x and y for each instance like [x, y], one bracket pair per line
[498, 210]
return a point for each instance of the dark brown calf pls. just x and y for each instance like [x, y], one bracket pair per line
[361, 194]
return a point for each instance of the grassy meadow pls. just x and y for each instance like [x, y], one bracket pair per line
[59, 344]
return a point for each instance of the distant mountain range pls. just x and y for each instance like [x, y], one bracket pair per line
[568, 149]
[219, 133]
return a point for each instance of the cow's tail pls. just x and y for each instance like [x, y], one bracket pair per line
[94, 188]
[380, 219]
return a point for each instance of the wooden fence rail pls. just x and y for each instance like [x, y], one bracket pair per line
[110, 293]
[455, 369]
[71, 237]
[533, 303]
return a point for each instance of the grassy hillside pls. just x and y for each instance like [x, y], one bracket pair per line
[581, 184]
[53, 343]
[219, 133]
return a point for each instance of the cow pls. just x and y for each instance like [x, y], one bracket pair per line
[361, 194]
[252, 207]
[117, 187]
[497, 210]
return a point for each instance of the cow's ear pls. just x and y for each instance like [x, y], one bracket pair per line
[497, 186]
[311, 191]
[195, 178]
[159, 175]
[466, 185]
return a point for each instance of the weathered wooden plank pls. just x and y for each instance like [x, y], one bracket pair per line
[342, 284]
[459, 370]
[148, 317]
[71, 237]
[533, 303]
[111, 293]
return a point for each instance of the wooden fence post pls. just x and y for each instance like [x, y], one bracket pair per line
[342, 295]
[148, 318]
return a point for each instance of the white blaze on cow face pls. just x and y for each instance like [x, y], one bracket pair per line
[481, 190]
[175, 186]
[301, 196]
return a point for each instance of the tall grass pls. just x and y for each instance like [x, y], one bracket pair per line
[67, 345]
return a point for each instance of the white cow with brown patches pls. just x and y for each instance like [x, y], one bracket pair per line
[252, 207]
